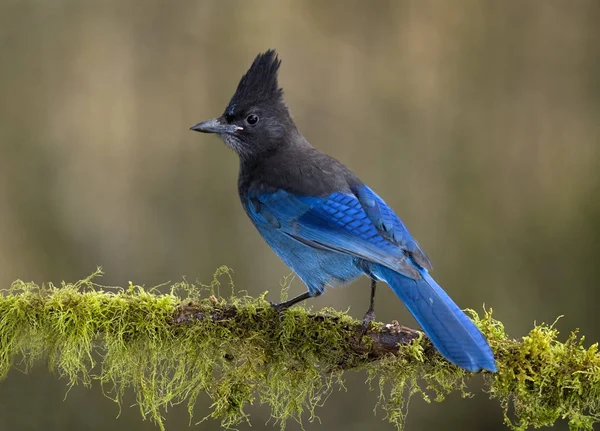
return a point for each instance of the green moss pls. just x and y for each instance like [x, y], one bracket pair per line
[290, 362]
[542, 379]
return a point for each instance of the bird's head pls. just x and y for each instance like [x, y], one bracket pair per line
[256, 119]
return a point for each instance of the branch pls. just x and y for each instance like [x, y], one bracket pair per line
[172, 347]
[360, 346]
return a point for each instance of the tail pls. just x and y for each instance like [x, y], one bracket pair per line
[450, 330]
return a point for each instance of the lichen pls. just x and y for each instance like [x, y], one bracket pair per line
[129, 338]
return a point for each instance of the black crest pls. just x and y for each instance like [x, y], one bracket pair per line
[259, 84]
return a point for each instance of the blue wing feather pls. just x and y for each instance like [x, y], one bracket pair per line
[389, 224]
[338, 222]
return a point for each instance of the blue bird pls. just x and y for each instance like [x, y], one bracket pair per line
[325, 223]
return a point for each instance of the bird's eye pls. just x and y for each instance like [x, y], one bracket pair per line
[252, 119]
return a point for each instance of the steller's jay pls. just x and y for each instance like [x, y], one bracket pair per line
[325, 223]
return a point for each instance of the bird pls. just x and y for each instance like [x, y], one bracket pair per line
[327, 225]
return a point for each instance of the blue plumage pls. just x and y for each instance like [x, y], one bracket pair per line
[332, 240]
[450, 330]
[327, 225]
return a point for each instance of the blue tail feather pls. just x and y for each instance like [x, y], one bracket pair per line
[450, 330]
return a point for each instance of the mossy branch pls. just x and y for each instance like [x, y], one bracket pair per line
[172, 347]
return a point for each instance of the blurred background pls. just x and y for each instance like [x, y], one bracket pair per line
[477, 121]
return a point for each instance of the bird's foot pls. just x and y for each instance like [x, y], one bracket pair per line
[366, 322]
[279, 307]
[287, 304]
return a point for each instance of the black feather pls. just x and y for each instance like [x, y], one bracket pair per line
[259, 84]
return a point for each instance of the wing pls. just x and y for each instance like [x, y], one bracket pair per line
[340, 222]
[389, 225]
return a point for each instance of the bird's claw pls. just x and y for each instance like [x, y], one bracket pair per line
[369, 317]
[279, 307]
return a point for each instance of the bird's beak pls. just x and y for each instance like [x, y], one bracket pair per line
[215, 126]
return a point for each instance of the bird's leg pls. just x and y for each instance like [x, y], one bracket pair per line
[370, 314]
[296, 299]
